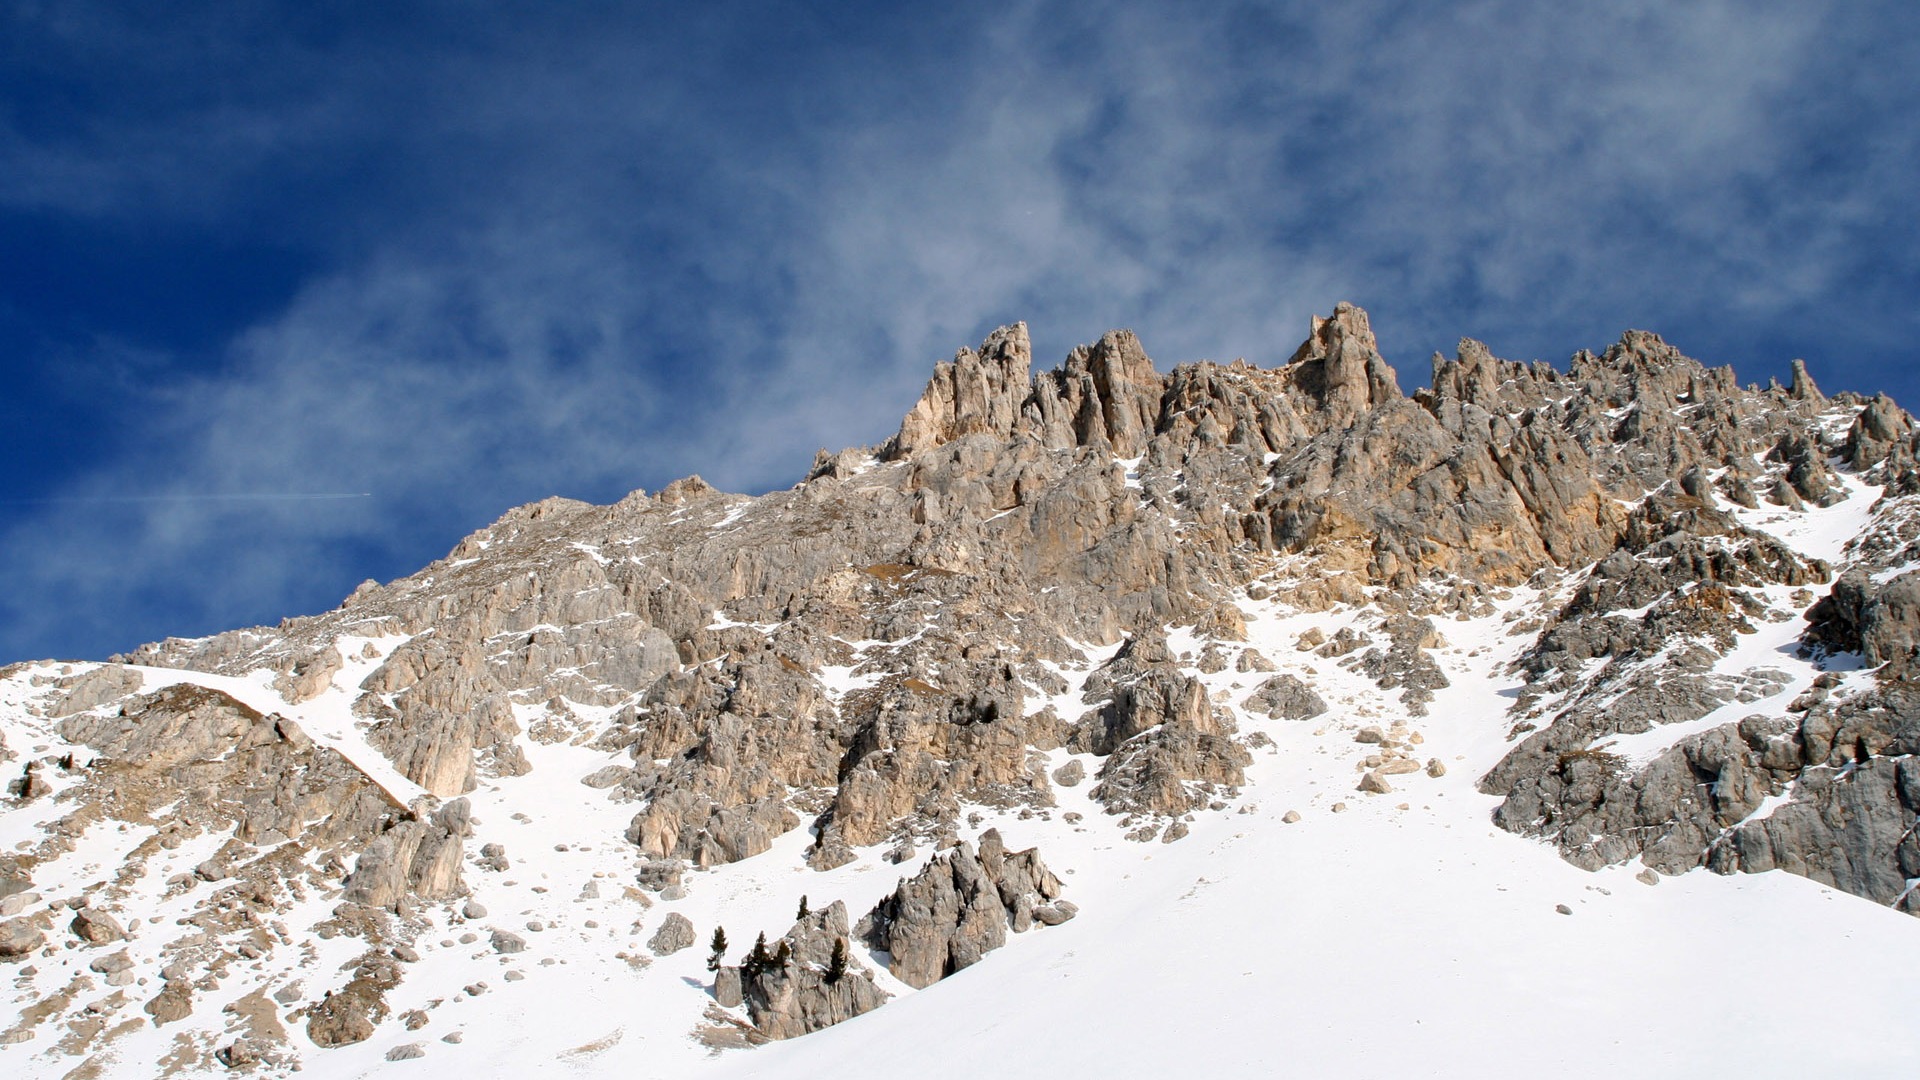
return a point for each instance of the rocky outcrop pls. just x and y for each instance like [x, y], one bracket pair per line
[1168, 749]
[351, 1014]
[919, 632]
[1015, 514]
[414, 857]
[1880, 622]
[807, 981]
[959, 908]
[1340, 369]
[1285, 697]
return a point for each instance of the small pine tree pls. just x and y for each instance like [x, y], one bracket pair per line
[837, 963]
[719, 948]
[803, 908]
[757, 958]
[783, 956]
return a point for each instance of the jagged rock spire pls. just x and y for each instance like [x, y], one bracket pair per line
[1803, 388]
[1341, 367]
[975, 391]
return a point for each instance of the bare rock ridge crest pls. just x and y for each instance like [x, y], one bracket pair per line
[1044, 579]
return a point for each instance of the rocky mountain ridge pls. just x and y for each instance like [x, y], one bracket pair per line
[1696, 603]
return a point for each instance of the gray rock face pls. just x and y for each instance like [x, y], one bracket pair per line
[675, 933]
[727, 989]
[1025, 511]
[419, 858]
[958, 909]
[1880, 622]
[1167, 748]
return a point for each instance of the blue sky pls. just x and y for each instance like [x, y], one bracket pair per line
[459, 256]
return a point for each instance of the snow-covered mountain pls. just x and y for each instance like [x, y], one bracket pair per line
[1102, 721]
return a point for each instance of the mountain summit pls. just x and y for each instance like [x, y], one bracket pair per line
[1264, 695]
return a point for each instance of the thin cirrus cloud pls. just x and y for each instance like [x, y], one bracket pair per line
[519, 254]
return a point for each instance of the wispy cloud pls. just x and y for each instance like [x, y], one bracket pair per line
[586, 253]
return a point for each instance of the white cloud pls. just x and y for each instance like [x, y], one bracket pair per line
[594, 277]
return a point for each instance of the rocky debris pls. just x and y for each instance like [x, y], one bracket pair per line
[1070, 774]
[1172, 769]
[407, 1052]
[1285, 697]
[308, 674]
[112, 963]
[31, 784]
[1405, 663]
[958, 909]
[20, 938]
[1374, 782]
[807, 981]
[660, 874]
[506, 941]
[1848, 821]
[350, 1014]
[675, 933]
[606, 776]
[238, 1054]
[1056, 913]
[173, 1002]
[1691, 575]
[96, 927]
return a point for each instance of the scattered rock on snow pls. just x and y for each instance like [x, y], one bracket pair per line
[675, 933]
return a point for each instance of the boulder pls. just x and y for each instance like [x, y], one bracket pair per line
[19, 939]
[675, 933]
[96, 927]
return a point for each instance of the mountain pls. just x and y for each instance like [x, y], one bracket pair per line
[1100, 720]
